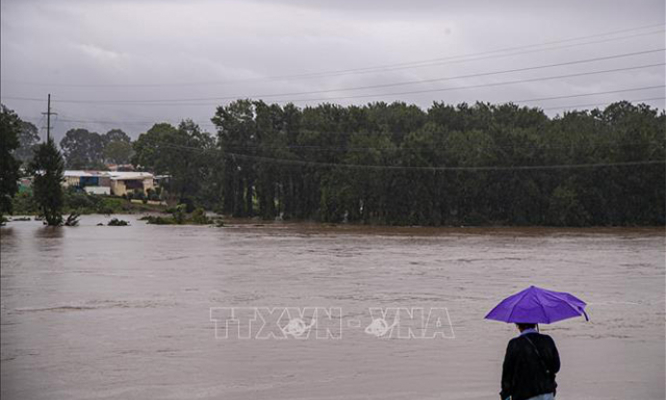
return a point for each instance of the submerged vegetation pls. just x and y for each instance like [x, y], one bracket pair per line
[179, 216]
[117, 222]
[72, 219]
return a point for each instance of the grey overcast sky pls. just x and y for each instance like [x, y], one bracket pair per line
[101, 59]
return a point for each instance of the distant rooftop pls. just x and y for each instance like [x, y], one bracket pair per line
[120, 176]
[114, 175]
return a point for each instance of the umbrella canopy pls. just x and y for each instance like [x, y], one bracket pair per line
[535, 305]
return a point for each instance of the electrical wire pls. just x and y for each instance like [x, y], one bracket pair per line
[412, 168]
[491, 84]
[378, 86]
[575, 106]
[388, 67]
[208, 124]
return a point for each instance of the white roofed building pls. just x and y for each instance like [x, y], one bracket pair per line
[117, 183]
[127, 182]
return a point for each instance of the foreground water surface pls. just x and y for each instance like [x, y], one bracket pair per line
[96, 312]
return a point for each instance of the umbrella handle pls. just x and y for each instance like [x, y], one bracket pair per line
[586, 317]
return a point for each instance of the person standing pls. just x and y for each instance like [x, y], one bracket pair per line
[530, 365]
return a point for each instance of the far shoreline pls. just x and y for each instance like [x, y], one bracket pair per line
[311, 226]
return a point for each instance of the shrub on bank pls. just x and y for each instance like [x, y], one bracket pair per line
[180, 217]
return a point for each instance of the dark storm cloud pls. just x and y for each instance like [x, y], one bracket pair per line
[58, 46]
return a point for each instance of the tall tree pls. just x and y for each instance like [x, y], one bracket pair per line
[237, 132]
[118, 152]
[28, 139]
[47, 167]
[83, 149]
[10, 127]
[116, 135]
[184, 153]
[117, 147]
[449, 165]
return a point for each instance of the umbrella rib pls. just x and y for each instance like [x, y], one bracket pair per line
[543, 309]
[568, 303]
[576, 310]
[514, 307]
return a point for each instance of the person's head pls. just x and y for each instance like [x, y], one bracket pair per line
[522, 326]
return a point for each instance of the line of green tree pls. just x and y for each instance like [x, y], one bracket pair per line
[81, 148]
[398, 164]
[274, 161]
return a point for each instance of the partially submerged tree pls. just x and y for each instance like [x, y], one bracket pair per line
[47, 167]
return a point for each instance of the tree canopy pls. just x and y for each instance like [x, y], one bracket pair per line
[83, 149]
[10, 128]
[398, 164]
[448, 165]
[182, 153]
[117, 147]
[28, 139]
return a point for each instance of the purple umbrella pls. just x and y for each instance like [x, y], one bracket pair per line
[535, 305]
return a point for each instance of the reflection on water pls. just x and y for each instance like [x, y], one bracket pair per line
[50, 232]
[123, 312]
[7, 233]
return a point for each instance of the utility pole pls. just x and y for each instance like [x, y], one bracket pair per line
[48, 114]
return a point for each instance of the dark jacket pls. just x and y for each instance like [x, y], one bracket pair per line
[523, 374]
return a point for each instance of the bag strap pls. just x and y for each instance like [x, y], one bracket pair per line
[543, 363]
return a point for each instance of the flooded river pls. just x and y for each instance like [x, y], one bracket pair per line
[97, 312]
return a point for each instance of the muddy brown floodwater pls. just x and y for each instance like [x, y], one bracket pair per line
[96, 312]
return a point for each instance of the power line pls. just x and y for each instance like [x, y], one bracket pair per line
[494, 51]
[422, 81]
[466, 60]
[411, 168]
[430, 147]
[479, 168]
[206, 123]
[120, 122]
[116, 122]
[574, 106]
[591, 94]
[402, 148]
[391, 67]
[378, 86]
[490, 84]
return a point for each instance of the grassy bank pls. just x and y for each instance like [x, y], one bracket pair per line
[83, 203]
